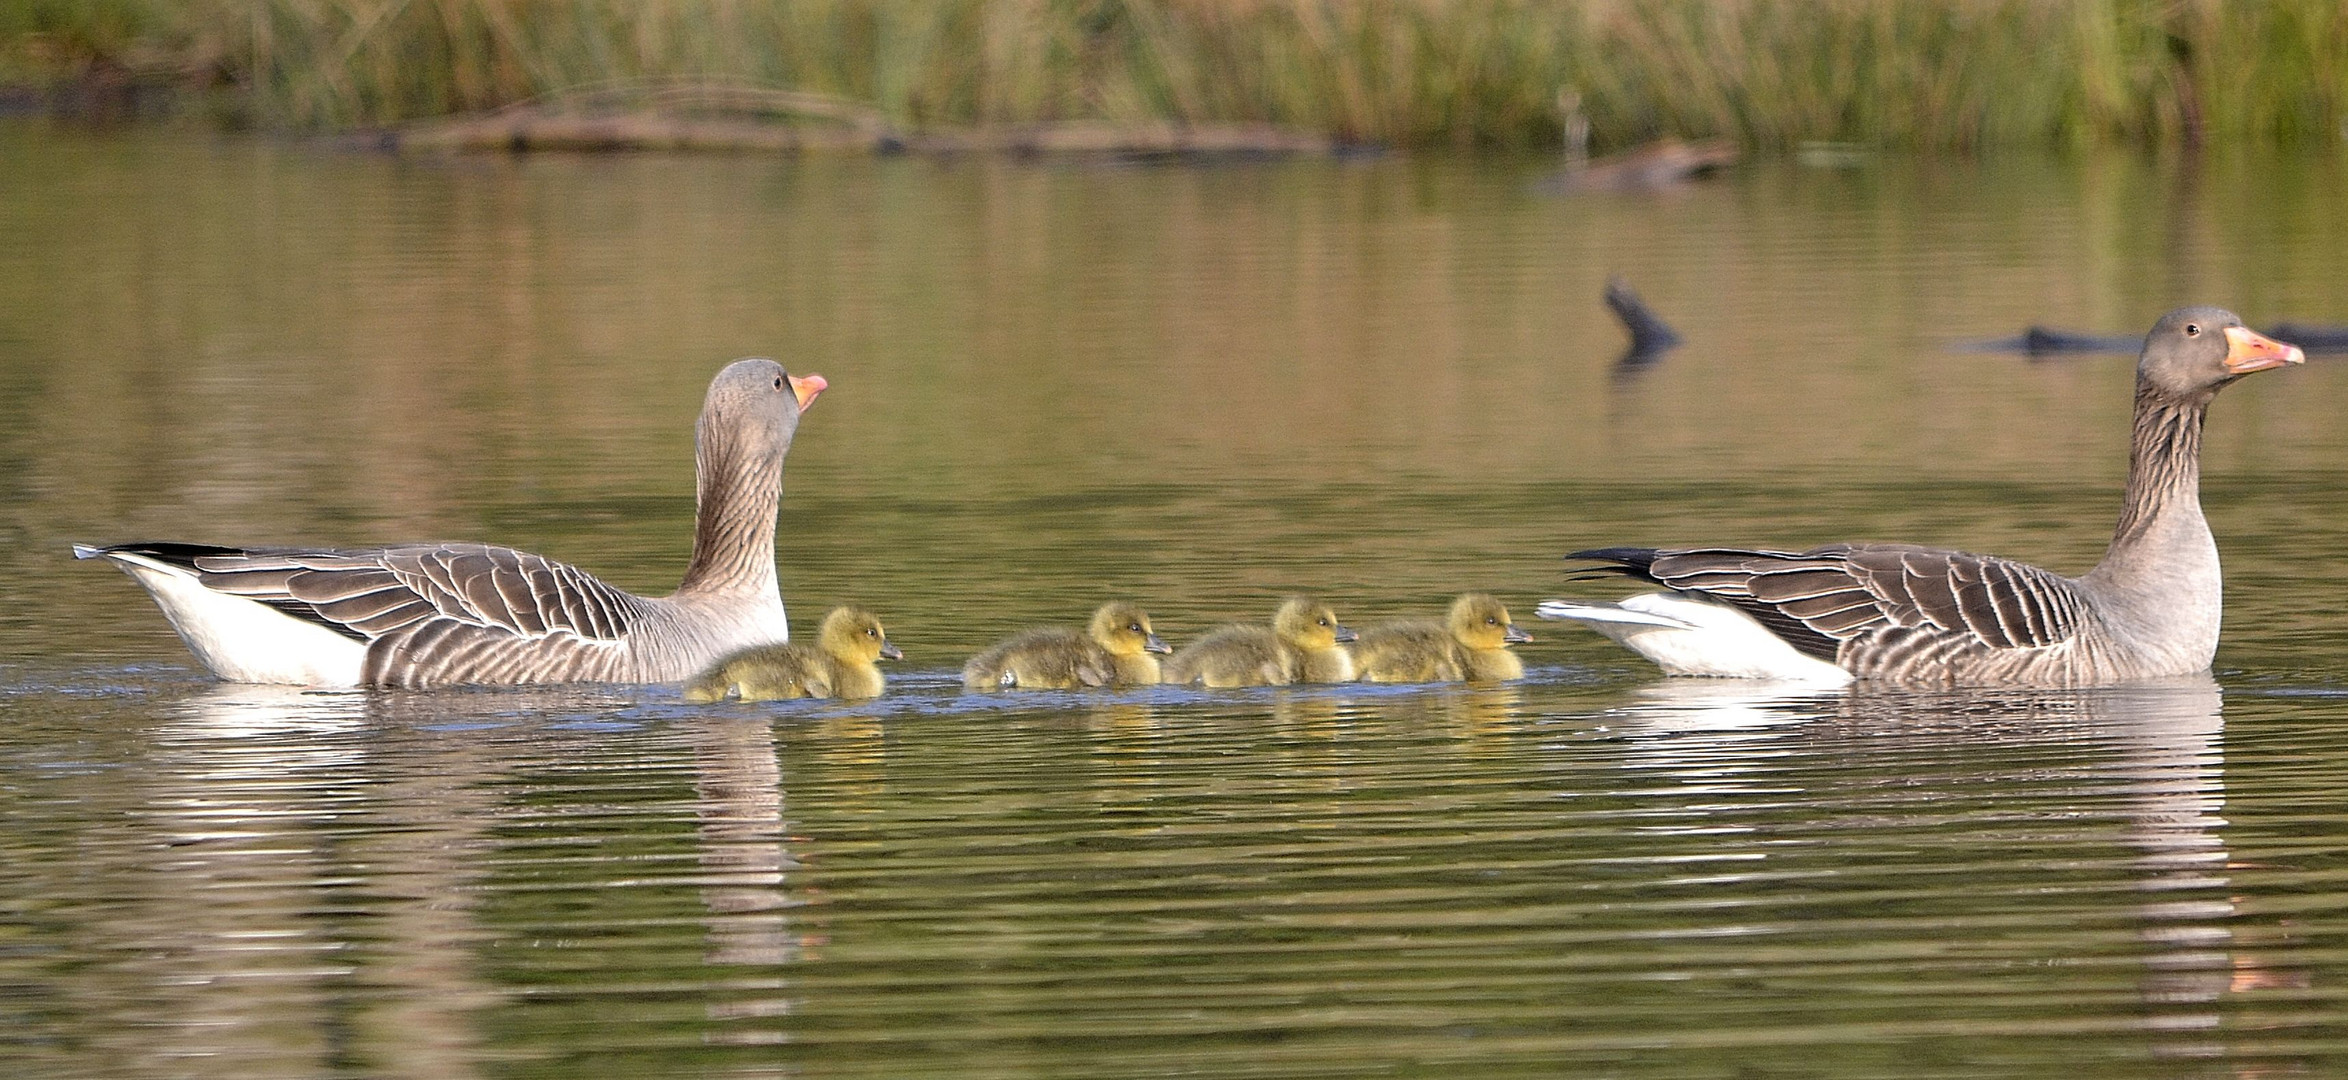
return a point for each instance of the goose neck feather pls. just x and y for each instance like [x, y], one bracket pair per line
[2159, 585]
[738, 491]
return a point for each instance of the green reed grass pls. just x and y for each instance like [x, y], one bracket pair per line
[1768, 73]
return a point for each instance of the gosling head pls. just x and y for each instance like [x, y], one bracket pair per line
[1481, 622]
[1124, 629]
[2192, 352]
[1309, 624]
[855, 632]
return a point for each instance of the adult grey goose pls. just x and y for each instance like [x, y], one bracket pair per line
[435, 614]
[1917, 615]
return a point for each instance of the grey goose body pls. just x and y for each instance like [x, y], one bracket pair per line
[446, 614]
[1916, 615]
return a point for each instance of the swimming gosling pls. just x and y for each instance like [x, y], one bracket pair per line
[1303, 645]
[1471, 644]
[1114, 650]
[840, 664]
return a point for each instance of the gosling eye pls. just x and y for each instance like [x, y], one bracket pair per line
[1133, 626]
[1490, 621]
[869, 632]
[2192, 330]
[1322, 622]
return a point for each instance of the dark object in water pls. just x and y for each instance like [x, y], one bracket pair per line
[2312, 339]
[2040, 341]
[1663, 163]
[1650, 336]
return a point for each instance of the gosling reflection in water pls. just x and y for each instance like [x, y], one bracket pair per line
[842, 664]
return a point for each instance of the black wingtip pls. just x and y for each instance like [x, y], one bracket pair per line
[164, 551]
[1618, 562]
[1629, 556]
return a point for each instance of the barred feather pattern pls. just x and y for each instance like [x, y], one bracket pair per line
[1891, 611]
[453, 614]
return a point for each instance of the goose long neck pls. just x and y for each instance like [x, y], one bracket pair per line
[2161, 529]
[740, 486]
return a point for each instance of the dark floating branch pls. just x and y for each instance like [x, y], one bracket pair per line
[2312, 339]
[2040, 341]
[1651, 337]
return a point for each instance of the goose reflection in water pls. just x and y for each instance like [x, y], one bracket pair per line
[2151, 753]
[257, 805]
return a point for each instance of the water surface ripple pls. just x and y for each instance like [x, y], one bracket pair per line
[1386, 382]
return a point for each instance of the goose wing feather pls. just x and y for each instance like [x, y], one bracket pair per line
[1820, 598]
[437, 614]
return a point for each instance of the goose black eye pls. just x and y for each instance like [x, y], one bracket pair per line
[2192, 330]
[778, 382]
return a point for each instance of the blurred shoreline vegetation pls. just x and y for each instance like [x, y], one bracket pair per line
[1766, 74]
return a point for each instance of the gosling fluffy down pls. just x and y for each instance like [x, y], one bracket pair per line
[1303, 645]
[1470, 644]
[840, 664]
[1114, 650]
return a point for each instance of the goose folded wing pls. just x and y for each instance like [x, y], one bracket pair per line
[1998, 602]
[375, 593]
[1820, 598]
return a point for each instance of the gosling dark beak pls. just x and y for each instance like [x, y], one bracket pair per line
[1515, 636]
[805, 387]
[1345, 633]
[2248, 350]
[889, 651]
[1153, 644]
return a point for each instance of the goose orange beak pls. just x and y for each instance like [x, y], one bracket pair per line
[2248, 350]
[805, 387]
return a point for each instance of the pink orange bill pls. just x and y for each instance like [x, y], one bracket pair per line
[2248, 350]
[805, 387]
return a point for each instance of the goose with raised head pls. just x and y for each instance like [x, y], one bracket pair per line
[1304, 644]
[1923, 616]
[1470, 644]
[1112, 650]
[843, 663]
[438, 614]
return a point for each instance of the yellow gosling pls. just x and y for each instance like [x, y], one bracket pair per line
[1114, 650]
[1304, 644]
[841, 664]
[1470, 644]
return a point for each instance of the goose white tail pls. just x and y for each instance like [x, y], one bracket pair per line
[1688, 636]
[240, 640]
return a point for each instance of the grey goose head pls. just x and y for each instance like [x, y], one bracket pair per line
[755, 405]
[2192, 352]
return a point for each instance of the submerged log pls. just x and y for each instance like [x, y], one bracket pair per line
[753, 120]
[1663, 163]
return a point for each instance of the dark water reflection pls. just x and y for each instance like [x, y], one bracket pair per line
[1386, 382]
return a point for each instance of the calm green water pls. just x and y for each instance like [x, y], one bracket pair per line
[1052, 384]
